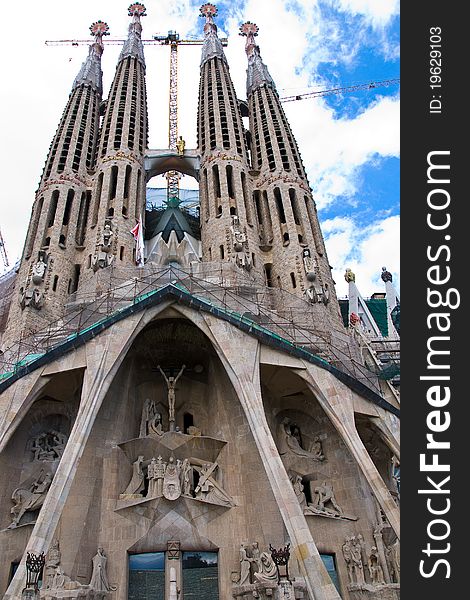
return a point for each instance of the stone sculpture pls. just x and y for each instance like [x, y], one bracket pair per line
[137, 483]
[289, 444]
[375, 570]
[48, 445]
[394, 556]
[245, 565]
[171, 385]
[296, 481]
[171, 480]
[267, 573]
[31, 497]
[99, 578]
[352, 553]
[39, 269]
[180, 145]
[31, 297]
[239, 242]
[51, 568]
[349, 276]
[386, 275]
[151, 420]
[325, 495]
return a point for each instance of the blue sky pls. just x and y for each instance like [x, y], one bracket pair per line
[349, 144]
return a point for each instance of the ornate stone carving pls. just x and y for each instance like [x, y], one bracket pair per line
[48, 445]
[393, 553]
[289, 444]
[31, 297]
[352, 553]
[240, 244]
[99, 578]
[375, 570]
[296, 481]
[30, 496]
[52, 566]
[171, 385]
[386, 275]
[137, 483]
[171, 480]
[151, 420]
[105, 248]
[39, 269]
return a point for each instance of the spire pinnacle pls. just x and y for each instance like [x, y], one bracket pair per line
[90, 72]
[212, 46]
[133, 45]
[257, 72]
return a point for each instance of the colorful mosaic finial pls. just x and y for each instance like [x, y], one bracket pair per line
[137, 9]
[208, 10]
[249, 28]
[99, 28]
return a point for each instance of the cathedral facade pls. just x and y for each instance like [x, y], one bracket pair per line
[183, 413]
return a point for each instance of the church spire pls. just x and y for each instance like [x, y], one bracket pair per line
[212, 46]
[133, 45]
[257, 72]
[90, 72]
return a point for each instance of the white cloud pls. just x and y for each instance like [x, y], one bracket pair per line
[364, 250]
[378, 12]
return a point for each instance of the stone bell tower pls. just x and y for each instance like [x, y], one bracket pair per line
[119, 183]
[51, 263]
[291, 241]
[228, 223]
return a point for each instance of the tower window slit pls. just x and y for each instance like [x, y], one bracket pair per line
[113, 182]
[259, 212]
[216, 180]
[279, 205]
[52, 208]
[99, 189]
[294, 283]
[222, 251]
[68, 207]
[83, 211]
[55, 282]
[127, 181]
[229, 174]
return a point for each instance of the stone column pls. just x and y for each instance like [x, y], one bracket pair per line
[243, 371]
[103, 354]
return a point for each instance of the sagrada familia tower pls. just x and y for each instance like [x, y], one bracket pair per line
[183, 412]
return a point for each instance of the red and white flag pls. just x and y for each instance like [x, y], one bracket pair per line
[138, 234]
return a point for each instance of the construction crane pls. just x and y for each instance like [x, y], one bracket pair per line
[370, 85]
[171, 39]
[3, 252]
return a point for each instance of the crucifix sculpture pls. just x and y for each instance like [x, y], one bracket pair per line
[171, 384]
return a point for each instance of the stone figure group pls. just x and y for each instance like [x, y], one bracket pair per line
[48, 445]
[173, 479]
[290, 444]
[30, 496]
[56, 579]
[256, 566]
[358, 560]
[352, 553]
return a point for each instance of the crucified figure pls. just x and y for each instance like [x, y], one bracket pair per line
[171, 384]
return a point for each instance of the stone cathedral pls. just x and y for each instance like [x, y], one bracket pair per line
[183, 412]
